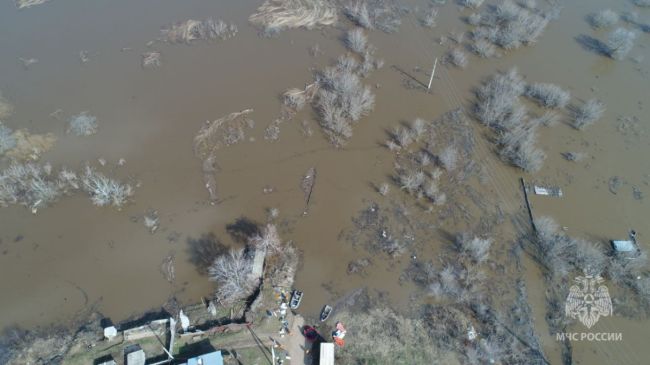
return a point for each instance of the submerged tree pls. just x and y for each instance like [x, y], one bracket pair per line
[231, 272]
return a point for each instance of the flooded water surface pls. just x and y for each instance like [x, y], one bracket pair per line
[72, 255]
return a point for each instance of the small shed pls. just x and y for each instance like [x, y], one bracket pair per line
[258, 264]
[134, 355]
[212, 358]
[625, 246]
[326, 353]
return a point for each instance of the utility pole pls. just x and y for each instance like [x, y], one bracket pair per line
[433, 72]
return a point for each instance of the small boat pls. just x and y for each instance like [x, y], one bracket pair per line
[325, 313]
[296, 298]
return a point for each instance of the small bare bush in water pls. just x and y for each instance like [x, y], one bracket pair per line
[603, 19]
[449, 158]
[105, 191]
[6, 109]
[547, 119]
[548, 95]
[456, 57]
[497, 98]
[587, 113]
[191, 30]
[517, 146]
[477, 249]
[429, 20]
[619, 43]
[511, 26]
[31, 185]
[356, 40]
[483, 48]
[7, 140]
[231, 272]
[472, 4]
[83, 124]
[269, 239]
[373, 14]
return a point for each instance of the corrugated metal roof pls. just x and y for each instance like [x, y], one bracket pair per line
[624, 245]
[326, 353]
[212, 358]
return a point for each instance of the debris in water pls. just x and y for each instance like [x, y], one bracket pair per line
[637, 193]
[358, 266]
[574, 156]
[614, 184]
[276, 15]
[30, 146]
[28, 62]
[191, 30]
[209, 169]
[224, 131]
[83, 56]
[57, 114]
[539, 190]
[151, 221]
[121, 162]
[24, 4]
[272, 132]
[307, 185]
[167, 268]
[151, 59]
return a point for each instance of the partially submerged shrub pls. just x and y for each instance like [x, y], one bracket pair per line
[619, 43]
[276, 15]
[483, 48]
[449, 158]
[603, 19]
[548, 95]
[356, 40]
[6, 109]
[191, 30]
[472, 4]
[105, 191]
[429, 19]
[547, 119]
[31, 185]
[496, 98]
[341, 101]
[83, 124]
[510, 26]
[456, 57]
[373, 14]
[476, 248]
[517, 146]
[231, 272]
[587, 113]
[7, 140]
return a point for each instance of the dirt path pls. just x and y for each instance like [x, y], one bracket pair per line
[295, 342]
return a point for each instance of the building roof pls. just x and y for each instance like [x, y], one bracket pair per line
[326, 353]
[624, 245]
[135, 358]
[212, 358]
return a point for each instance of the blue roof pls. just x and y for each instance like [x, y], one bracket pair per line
[212, 358]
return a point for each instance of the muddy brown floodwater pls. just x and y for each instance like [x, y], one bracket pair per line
[72, 255]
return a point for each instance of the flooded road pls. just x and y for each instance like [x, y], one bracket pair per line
[72, 255]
